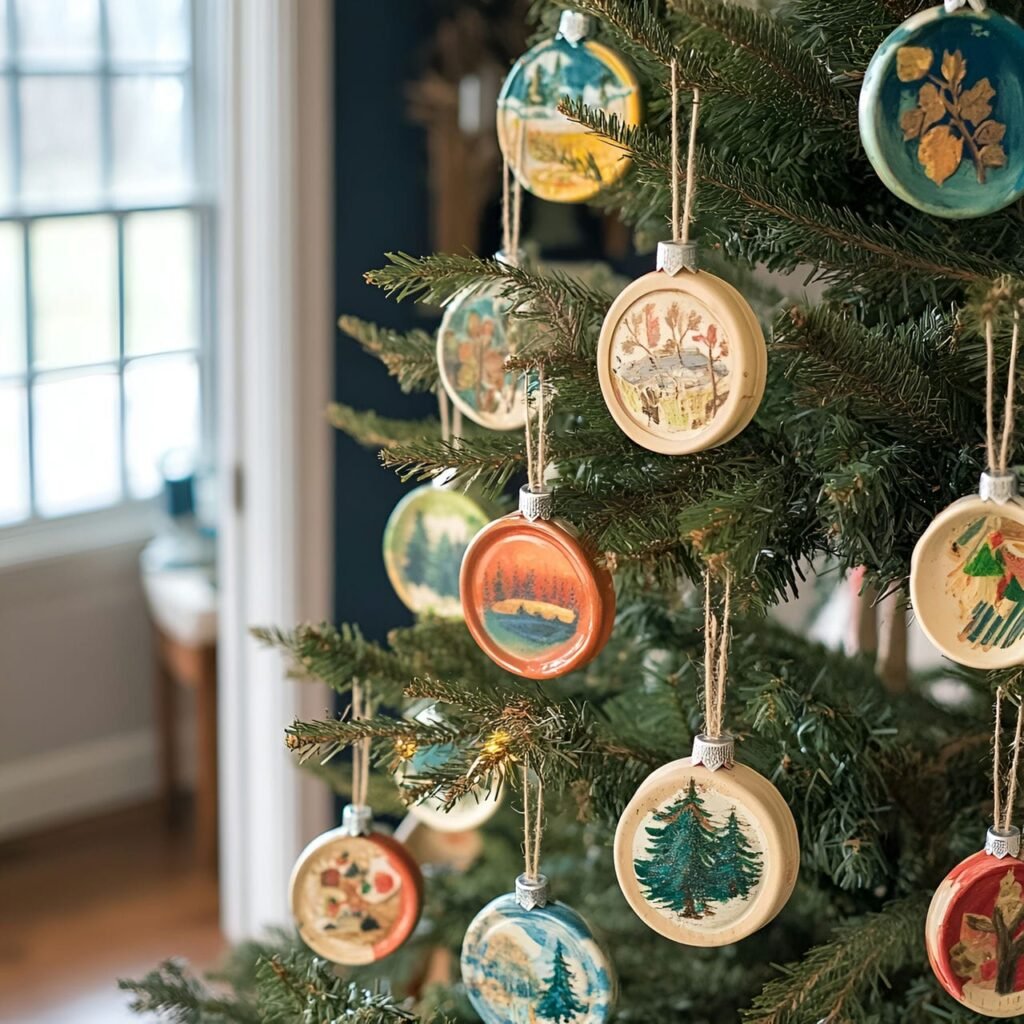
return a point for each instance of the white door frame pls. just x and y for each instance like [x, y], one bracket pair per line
[275, 355]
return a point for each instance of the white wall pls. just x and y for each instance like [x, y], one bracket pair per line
[76, 669]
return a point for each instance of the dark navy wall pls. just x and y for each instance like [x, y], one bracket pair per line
[381, 205]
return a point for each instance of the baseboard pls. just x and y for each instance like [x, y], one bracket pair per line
[47, 789]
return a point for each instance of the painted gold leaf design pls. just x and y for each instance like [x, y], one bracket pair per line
[913, 62]
[948, 118]
[940, 152]
[993, 156]
[975, 103]
[989, 132]
[954, 67]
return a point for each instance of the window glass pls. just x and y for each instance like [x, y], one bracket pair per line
[14, 483]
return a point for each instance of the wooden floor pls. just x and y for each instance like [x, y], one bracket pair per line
[86, 904]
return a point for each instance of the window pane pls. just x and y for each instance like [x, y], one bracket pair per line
[149, 133]
[75, 435]
[74, 290]
[160, 270]
[3, 32]
[6, 153]
[14, 496]
[161, 413]
[58, 30]
[61, 137]
[12, 302]
[156, 30]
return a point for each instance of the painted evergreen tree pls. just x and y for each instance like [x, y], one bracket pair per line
[559, 1002]
[417, 552]
[737, 864]
[442, 580]
[681, 872]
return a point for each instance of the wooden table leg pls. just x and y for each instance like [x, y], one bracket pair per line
[206, 774]
[167, 730]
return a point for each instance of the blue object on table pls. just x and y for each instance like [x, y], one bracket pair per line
[942, 112]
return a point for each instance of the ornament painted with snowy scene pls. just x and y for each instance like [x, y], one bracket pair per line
[553, 157]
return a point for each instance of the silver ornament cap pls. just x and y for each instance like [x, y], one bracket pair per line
[507, 260]
[1000, 843]
[532, 892]
[536, 505]
[713, 752]
[575, 26]
[357, 819]
[998, 487]
[675, 257]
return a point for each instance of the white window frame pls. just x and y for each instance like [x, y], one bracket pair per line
[129, 519]
[275, 374]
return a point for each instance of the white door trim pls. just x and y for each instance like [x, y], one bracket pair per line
[275, 375]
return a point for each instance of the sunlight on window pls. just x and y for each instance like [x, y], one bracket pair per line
[14, 490]
[12, 301]
[161, 413]
[160, 282]
[74, 290]
[77, 442]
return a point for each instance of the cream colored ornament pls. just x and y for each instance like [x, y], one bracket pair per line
[967, 581]
[681, 359]
[706, 858]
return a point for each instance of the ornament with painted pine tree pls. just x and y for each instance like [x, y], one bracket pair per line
[707, 851]
[528, 958]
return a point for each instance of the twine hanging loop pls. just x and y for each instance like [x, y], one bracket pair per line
[999, 482]
[1003, 839]
[714, 748]
[681, 254]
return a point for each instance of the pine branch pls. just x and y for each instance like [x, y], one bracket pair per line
[411, 357]
[832, 981]
[487, 462]
[336, 656]
[791, 68]
[366, 427]
[174, 995]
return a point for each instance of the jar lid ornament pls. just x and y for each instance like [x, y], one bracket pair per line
[681, 357]
[707, 851]
[478, 334]
[469, 811]
[942, 110]
[967, 569]
[426, 536]
[553, 157]
[526, 957]
[975, 922]
[356, 893]
[533, 596]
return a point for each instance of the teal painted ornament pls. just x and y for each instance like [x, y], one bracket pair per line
[536, 966]
[942, 112]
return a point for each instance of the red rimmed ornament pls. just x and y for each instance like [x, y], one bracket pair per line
[533, 596]
[356, 894]
[974, 931]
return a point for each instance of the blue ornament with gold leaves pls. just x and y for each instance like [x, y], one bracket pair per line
[942, 111]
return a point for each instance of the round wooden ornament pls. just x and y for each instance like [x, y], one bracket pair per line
[475, 338]
[533, 597]
[553, 157]
[707, 851]
[681, 357]
[942, 111]
[975, 925]
[525, 958]
[967, 577]
[356, 894]
[468, 812]
[425, 538]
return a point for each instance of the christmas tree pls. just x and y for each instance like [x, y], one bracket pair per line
[737, 865]
[873, 421]
[418, 552]
[558, 1002]
[680, 871]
